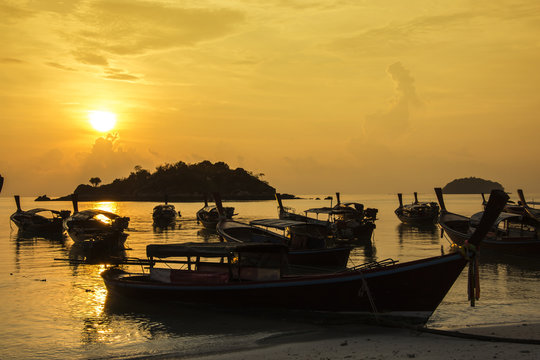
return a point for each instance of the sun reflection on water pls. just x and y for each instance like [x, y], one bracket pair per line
[99, 295]
[110, 206]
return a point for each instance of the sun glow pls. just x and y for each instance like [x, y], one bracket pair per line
[102, 120]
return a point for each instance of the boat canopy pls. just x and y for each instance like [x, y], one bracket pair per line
[209, 249]
[350, 204]
[90, 213]
[420, 205]
[213, 208]
[278, 223]
[38, 210]
[475, 219]
[331, 211]
[164, 207]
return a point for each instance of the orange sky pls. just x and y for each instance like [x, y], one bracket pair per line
[321, 96]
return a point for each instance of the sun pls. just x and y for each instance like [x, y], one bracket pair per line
[102, 121]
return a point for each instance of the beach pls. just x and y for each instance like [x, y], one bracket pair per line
[374, 342]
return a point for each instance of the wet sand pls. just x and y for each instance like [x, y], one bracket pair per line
[372, 342]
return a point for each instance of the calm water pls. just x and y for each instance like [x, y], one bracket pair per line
[54, 309]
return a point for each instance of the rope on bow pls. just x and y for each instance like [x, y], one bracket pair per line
[473, 284]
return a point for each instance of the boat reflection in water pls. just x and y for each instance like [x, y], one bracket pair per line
[31, 237]
[418, 233]
[208, 235]
[39, 220]
[164, 227]
[83, 253]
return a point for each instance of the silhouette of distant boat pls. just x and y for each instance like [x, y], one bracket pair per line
[39, 220]
[96, 227]
[208, 215]
[417, 212]
[164, 215]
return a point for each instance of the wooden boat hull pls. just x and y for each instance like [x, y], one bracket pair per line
[427, 219]
[455, 227]
[164, 215]
[29, 224]
[514, 246]
[97, 227]
[410, 290]
[457, 230]
[361, 233]
[329, 258]
[417, 212]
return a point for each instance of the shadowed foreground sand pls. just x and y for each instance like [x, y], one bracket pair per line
[370, 342]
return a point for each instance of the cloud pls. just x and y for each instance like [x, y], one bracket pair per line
[119, 74]
[135, 27]
[395, 121]
[10, 13]
[399, 37]
[90, 58]
[11, 61]
[107, 159]
[60, 66]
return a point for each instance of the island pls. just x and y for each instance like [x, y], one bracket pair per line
[179, 182]
[42, 198]
[471, 185]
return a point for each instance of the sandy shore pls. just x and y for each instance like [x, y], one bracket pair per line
[372, 342]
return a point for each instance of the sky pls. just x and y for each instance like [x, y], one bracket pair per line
[320, 96]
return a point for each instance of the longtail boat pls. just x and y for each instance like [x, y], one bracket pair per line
[208, 215]
[96, 227]
[240, 275]
[348, 221]
[509, 233]
[39, 220]
[164, 215]
[301, 252]
[417, 212]
[532, 213]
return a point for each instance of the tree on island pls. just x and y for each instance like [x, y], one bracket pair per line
[95, 181]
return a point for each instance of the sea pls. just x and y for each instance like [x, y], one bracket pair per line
[54, 308]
